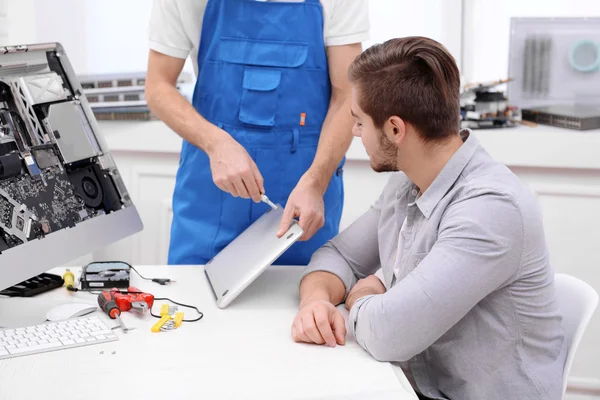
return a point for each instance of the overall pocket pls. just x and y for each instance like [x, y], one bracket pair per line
[264, 65]
[259, 96]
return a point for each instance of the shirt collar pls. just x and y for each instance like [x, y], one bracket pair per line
[449, 174]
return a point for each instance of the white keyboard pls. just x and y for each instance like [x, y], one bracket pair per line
[54, 336]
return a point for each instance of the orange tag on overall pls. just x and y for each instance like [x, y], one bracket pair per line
[302, 119]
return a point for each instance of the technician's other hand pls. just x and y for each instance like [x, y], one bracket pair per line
[364, 287]
[234, 171]
[306, 202]
[319, 322]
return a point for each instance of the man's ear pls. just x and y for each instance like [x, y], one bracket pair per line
[395, 129]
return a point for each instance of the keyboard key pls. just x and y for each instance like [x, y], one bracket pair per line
[35, 339]
[34, 348]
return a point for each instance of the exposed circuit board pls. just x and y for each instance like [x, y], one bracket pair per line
[55, 203]
[50, 174]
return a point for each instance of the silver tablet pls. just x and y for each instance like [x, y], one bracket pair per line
[242, 261]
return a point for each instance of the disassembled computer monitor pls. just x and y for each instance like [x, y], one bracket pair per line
[61, 194]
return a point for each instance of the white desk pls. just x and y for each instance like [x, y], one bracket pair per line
[242, 352]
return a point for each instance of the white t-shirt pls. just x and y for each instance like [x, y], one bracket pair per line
[176, 25]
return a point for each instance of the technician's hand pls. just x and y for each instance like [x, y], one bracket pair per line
[364, 287]
[234, 171]
[319, 322]
[305, 202]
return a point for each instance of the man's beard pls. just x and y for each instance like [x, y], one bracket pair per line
[386, 156]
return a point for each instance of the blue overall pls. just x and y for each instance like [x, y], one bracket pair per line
[262, 77]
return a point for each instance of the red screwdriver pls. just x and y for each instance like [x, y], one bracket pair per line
[107, 303]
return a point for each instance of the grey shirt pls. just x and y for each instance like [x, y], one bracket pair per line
[473, 313]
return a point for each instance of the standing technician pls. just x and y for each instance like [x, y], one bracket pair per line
[270, 114]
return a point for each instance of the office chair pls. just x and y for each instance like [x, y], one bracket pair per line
[577, 302]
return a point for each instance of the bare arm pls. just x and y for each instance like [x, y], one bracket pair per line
[232, 168]
[321, 285]
[172, 108]
[336, 134]
[318, 321]
[306, 201]
[333, 271]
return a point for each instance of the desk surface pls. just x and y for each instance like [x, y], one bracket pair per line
[242, 352]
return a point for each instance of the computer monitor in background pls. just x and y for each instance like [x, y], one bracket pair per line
[61, 195]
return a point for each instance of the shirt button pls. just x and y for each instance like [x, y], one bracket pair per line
[414, 192]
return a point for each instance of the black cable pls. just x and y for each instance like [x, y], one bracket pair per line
[200, 313]
[160, 281]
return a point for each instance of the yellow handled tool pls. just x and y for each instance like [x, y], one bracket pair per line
[178, 319]
[69, 280]
[156, 327]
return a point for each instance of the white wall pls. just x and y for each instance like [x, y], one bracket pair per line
[110, 36]
[106, 36]
[437, 19]
[487, 30]
[3, 22]
[19, 30]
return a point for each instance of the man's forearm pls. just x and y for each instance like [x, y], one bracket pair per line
[336, 136]
[321, 286]
[176, 111]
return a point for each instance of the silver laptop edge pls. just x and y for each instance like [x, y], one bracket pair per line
[240, 263]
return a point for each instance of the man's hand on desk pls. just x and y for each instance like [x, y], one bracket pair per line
[319, 322]
[364, 287]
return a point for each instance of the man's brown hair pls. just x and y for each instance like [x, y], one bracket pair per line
[414, 78]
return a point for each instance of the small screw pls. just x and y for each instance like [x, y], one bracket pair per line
[114, 352]
[102, 352]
